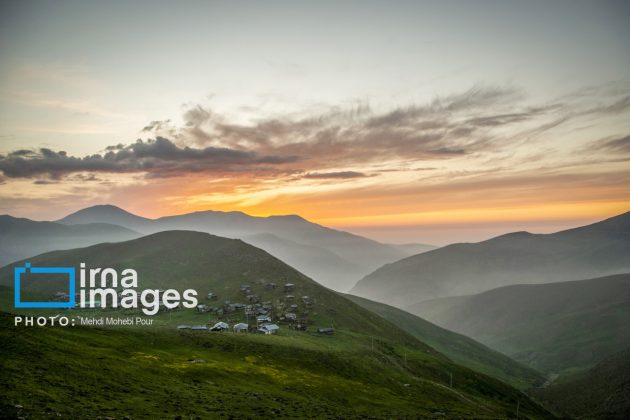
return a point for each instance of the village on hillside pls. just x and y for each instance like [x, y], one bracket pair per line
[256, 315]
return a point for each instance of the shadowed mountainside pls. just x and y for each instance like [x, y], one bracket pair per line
[517, 258]
[21, 238]
[551, 327]
[459, 348]
[602, 392]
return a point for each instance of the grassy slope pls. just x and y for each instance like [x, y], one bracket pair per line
[364, 365]
[88, 372]
[552, 327]
[457, 347]
[601, 392]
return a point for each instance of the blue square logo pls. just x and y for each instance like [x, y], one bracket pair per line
[17, 273]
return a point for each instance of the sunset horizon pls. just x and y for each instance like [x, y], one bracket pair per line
[381, 134]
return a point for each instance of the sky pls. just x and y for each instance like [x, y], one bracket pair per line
[423, 121]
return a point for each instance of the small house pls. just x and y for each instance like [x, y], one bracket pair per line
[241, 327]
[289, 287]
[212, 296]
[199, 328]
[201, 308]
[220, 326]
[236, 307]
[271, 286]
[183, 327]
[289, 316]
[268, 329]
[326, 331]
[263, 318]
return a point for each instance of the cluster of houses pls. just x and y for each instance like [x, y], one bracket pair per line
[266, 327]
[241, 327]
[288, 308]
[285, 308]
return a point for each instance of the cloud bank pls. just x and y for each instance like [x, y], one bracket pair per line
[341, 143]
[159, 157]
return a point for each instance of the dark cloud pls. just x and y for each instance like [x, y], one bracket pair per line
[617, 107]
[448, 127]
[448, 151]
[340, 137]
[159, 157]
[496, 120]
[335, 175]
[156, 125]
[618, 145]
[21, 152]
[472, 123]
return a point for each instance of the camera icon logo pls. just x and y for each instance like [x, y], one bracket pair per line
[69, 271]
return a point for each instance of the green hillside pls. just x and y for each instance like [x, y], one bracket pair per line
[553, 327]
[88, 372]
[602, 392]
[368, 368]
[459, 348]
[207, 263]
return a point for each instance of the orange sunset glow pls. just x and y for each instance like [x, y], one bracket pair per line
[452, 149]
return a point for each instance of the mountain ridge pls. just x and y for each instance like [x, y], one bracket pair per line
[363, 253]
[593, 250]
[552, 327]
[21, 237]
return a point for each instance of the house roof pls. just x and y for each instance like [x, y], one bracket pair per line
[199, 327]
[270, 327]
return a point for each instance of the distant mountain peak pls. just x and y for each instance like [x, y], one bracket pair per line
[288, 217]
[513, 235]
[103, 213]
[104, 208]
